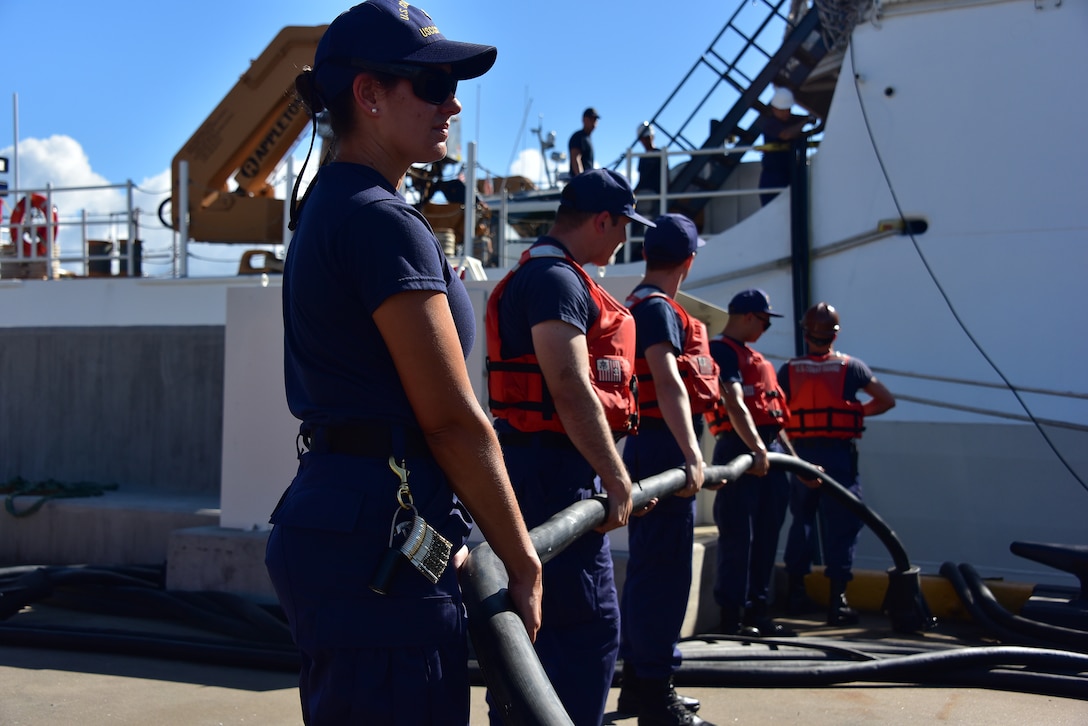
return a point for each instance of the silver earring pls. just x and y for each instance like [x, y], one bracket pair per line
[373, 110]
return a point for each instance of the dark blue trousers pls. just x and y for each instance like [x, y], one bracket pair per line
[658, 579]
[749, 513]
[839, 527]
[579, 638]
[400, 658]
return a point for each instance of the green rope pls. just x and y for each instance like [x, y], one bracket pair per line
[47, 490]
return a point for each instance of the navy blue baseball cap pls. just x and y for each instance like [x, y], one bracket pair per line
[389, 31]
[601, 190]
[751, 301]
[674, 239]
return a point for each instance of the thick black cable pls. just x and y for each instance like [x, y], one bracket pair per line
[1070, 638]
[954, 666]
[940, 289]
[240, 655]
[519, 687]
[846, 498]
[897, 669]
[140, 594]
[517, 681]
[951, 573]
[819, 649]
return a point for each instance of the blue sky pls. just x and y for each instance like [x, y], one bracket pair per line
[109, 91]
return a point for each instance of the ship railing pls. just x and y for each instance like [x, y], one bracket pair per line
[650, 204]
[75, 242]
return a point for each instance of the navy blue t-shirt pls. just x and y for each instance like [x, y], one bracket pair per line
[544, 288]
[649, 174]
[656, 322]
[580, 140]
[654, 448]
[727, 360]
[357, 244]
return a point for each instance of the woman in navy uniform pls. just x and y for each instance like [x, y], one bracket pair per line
[376, 329]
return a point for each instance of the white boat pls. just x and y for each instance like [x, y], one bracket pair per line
[172, 388]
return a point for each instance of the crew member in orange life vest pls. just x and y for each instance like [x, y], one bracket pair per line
[827, 417]
[750, 511]
[561, 356]
[677, 383]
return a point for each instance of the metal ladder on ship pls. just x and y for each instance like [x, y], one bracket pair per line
[759, 35]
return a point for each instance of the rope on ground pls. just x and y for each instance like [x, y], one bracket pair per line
[46, 491]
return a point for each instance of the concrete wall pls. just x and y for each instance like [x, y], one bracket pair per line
[137, 406]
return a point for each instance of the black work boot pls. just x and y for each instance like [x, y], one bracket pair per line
[839, 611]
[758, 616]
[661, 707]
[628, 701]
[797, 600]
[630, 694]
[732, 623]
[691, 704]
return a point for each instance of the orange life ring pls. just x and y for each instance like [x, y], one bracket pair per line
[40, 233]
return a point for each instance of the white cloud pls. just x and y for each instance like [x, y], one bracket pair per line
[90, 207]
[60, 161]
[530, 164]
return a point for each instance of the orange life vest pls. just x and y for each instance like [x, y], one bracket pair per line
[516, 388]
[762, 394]
[698, 370]
[816, 399]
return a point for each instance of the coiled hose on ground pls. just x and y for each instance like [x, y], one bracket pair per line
[245, 634]
[521, 690]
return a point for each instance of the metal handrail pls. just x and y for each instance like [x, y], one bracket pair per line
[508, 205]
[53, 256]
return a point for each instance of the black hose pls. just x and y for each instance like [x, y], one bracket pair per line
[951, 573]
[953, 666]
[517, 681]
[821, 649]
[904, 601]
[1053, 634]
[856, 507]
[507, 659]
[135, 593]
[519, 687]
[247, 655]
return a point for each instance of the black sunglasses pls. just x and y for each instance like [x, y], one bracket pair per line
[432, 85]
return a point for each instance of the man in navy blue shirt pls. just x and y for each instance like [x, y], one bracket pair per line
[678, 381]
[580, 147]
[560, 382]
[826, 419]
[750, 511]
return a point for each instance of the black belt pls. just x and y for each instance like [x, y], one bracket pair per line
[367, 439]
[543, 439]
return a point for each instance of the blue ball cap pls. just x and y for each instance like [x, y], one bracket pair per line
[389, 31]
[601, 190]
[674, 239]
[751, 301]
